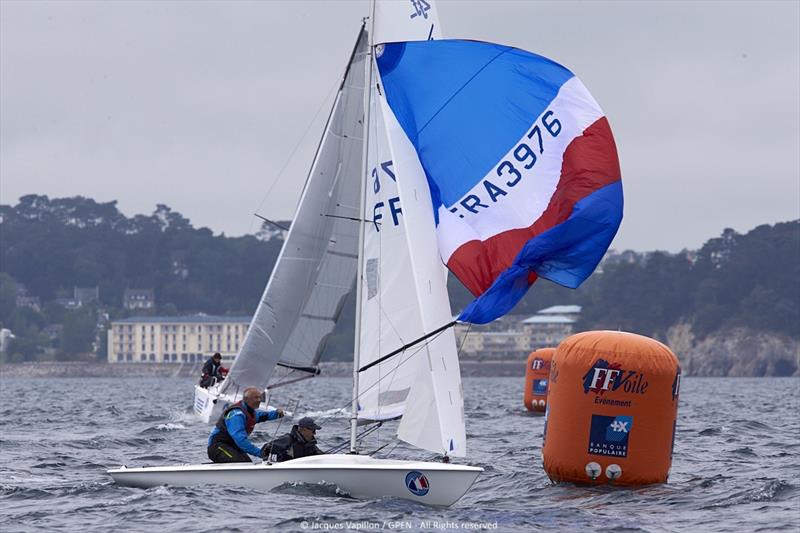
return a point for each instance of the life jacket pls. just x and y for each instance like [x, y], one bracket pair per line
[222, 433]
[293, 446]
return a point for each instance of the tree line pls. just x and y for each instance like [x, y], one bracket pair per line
[735, 280]
[50, 246]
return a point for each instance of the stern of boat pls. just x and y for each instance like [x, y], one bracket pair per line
[364, 477]
[206, 404]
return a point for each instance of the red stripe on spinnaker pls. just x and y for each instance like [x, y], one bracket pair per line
[590, 163]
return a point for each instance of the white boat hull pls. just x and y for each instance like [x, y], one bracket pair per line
[359, 476]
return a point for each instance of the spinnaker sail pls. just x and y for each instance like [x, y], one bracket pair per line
[520, 162]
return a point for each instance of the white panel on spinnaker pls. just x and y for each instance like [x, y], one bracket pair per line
[318, 262]
[390, 317]
[434, 412]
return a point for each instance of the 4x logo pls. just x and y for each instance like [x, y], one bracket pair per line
[605, 376]
[619, 426]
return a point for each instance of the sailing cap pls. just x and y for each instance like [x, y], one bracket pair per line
[308, 422]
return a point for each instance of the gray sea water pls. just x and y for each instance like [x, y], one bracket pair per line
[736, 464]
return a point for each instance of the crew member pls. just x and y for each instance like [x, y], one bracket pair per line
[229, 440]
[213, 371]
[300, 442]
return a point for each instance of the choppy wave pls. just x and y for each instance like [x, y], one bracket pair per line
[735, 465]
[311, 489]
[169, 426]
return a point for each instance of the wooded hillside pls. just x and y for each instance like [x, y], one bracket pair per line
[50, 246]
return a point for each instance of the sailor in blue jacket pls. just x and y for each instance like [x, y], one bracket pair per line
[229, 441]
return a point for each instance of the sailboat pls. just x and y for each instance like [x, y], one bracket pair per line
[487, 159]
[316, 268]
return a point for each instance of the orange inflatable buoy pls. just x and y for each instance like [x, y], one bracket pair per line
[611, 410]
[536, 375]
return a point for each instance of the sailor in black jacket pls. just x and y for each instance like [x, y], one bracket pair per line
[300, 442]
[213, 371]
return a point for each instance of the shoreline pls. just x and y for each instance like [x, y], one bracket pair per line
[77, 369]
[336, 369]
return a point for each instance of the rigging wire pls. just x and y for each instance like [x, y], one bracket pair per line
[379, 448]
[275, 433]
[342, 409]
[294, 150]
[363, 434]
[396, 444]
[466, 334]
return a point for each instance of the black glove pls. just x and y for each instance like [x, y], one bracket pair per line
[265, 450]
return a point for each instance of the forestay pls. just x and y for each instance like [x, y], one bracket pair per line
[317, 265]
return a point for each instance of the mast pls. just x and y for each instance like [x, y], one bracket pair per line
[365, 173]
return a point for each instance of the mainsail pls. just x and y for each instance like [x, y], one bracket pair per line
[317, 265]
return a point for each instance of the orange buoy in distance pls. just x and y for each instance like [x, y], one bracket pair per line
[536, 376]
[612, 406]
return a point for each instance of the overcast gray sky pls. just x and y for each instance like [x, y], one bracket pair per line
[199, 105]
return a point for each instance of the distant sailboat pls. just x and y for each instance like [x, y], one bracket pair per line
[444, 177]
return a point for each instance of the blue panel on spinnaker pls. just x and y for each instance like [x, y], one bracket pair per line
[473, 103]
[566, 254]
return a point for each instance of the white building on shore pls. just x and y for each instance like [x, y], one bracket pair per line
[175, 339]
[139, 299]
[515, 336]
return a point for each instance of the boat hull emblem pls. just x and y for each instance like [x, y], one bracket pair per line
[417, 483]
